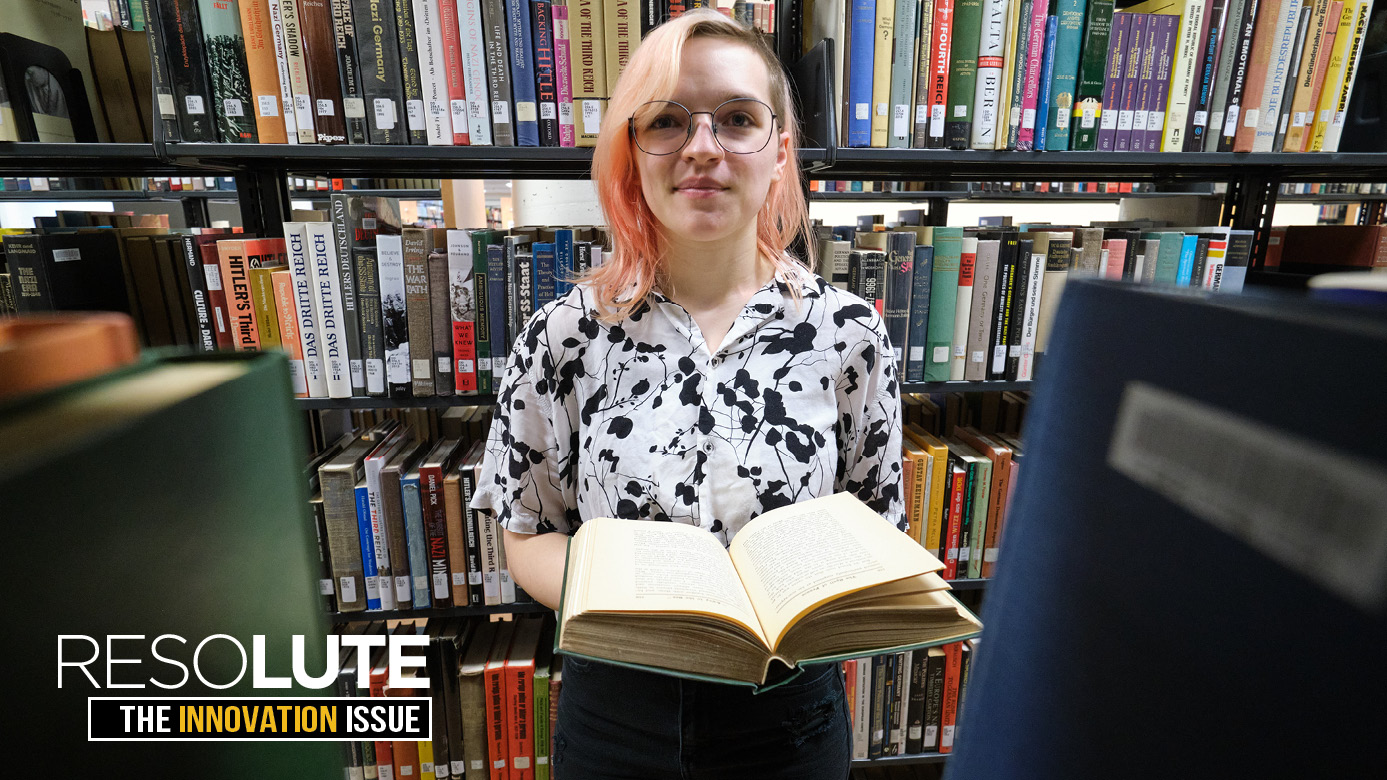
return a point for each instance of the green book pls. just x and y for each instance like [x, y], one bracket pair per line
[1062, 84]
[482, 331]
[976, 542]
[963, 74]
[167, 497]
[544, 659]
[1167, 256]
[1088, 95]
[943, 293]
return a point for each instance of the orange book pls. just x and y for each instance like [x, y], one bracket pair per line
[948, 716]
[1000, 455]
[497, 703]
[1263, 42]
[287, 309]
[958, 481]
[240, 306]
[520, 681]
[264, 72]
[918, 473]
[380, 674]
[404, 754]
[933, 534]
[457, 542]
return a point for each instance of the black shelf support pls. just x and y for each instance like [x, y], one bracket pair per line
[1250, 204]
[264, 198]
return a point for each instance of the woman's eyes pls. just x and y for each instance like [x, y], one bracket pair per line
[738, 120]
[664, 123]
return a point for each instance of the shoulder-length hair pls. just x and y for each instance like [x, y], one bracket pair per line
[636, 264]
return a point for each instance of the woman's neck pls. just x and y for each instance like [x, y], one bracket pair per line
[711, 275]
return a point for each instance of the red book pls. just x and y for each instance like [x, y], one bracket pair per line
[405, 753]
[494, 678]
[216, 295]
[953, 669]
[1000, 455]
[520, 681]
[385, 757]
[435, 513]
[958, 483]
[941, 45]
[453, 69]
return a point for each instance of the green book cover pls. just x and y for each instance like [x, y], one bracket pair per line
[1088, 95]
[982, 492]
[226, 64]
[939, 336]
[544, 657]
[1167, 256]
[482, 331]
[963, 74]
[1062, 83]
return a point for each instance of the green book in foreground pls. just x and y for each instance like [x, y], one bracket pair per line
[943, 300]
[819, 581]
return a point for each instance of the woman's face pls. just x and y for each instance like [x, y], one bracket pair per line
[703, 193]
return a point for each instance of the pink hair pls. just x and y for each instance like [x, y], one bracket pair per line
[636, 263]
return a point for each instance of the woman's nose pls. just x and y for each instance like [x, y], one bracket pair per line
[703, 143]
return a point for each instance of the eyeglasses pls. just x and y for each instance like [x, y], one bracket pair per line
[740, 126]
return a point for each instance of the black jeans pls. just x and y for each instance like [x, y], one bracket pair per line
[616, 722]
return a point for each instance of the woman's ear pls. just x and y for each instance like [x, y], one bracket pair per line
[783, 155]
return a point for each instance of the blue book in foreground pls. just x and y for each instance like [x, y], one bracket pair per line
[368, 546]
[1222, 548]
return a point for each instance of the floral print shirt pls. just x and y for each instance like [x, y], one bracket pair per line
[640, 420]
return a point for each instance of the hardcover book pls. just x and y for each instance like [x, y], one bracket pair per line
[259, 43]
[772, 620]
[324, 79]
[1091, 91]
[349, 70]
[1069, 34]
[963, 73]
[381, 88]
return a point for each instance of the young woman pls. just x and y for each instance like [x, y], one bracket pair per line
[704, 376]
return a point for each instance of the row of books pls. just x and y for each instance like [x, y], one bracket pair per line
[844, 185]
[976, 303]
[435, 72]
[908, 703]
[1332, 188]
[495, 689]
[1161, 75]
[395, 530]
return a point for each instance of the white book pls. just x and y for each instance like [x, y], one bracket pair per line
[390, 259]
[991, 63]
[462, 292]
[474, 71]
[489, 544]
[1344, 89]
[1030, 324]
[428, 34]
[306, 305]
[963, 309]
[1188, 58]
[372, 466]
[503, 574]
[332, 330]
[286, 95]
[297, 66]
[1282, 50]
[862, 703]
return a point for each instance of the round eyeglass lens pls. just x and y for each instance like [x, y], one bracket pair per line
[743, 126]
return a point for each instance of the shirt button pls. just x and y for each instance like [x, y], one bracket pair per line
[707, 446]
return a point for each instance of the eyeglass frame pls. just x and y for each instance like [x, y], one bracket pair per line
[631, 126]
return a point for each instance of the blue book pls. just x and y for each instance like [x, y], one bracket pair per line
[1047, 73]
[368, 545]
[919, 313]
[544, 287]
[497, 295]
[1188, 249]
[416, 542]
[564, 270]
[1068, 37]
[522, 72]
[861, 59]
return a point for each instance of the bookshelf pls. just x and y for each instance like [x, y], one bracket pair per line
[340, 618]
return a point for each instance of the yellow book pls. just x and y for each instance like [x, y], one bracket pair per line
[1013, 24]
[622, 33]
[426, 770]
[262, 294]
[932, 539]
[922, 465]
[1352, 24]
[1304, 98]
[881, 72]
[588, 67]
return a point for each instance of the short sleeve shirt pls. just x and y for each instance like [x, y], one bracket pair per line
[639, 420]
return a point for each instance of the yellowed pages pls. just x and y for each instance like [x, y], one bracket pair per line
[640, 566]
[794, 558]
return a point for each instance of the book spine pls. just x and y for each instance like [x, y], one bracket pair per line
[1161, 88]
[1206, 69]
[31, 290]
[1069, 33]
[969, 518]
[884, 31]
[416, 541]
[980, 312]
[457, 541]
[481, 309]
[498, 297]
[903, 60]
[1010, 24]
[349, 71]
[991, 62]
[454, 71]
[940, 83]
[435, 532]
[331, 325]
[1137, 44]
[441, 321]
[416, 125]
[963, 73]
[346, 282]
[963, 307]
[522, 72]
[324, 80]
[1310, 79]
[498, 59]
[943, 301]
[623, 35]
[1151, 48]
[283, 82]
[417, 305]
[1213, 267]
[1047, 82]
[488, 543]
[544, 288]
[266, 314]
[899, 265]
[563, 71]
[1192, 28]
[923, 64]
[369, 312]
[236, 279]
[380, 543]
[520, 719]
[394, 315]
[861, 56]
[379, 51]
[181, 33]
[165, 108]
[197, 289]
[433, 79]
[953, 532]
[462, 310]
[300, 86]
[589, 69]
[546, 84]
[262, 70]
[915, 703]
[1273, 43]
[877, 744]
[1333, 76]
[895, 737]
[1026, 259]
[563, 261]
[472, 38]
[367, 543]
[1005, 279]
[471, 537]
[953, 661]
[921, 277]
[1091, 92]
[1112, 81]
[1242, 75]
[1233, 17]
[1335, 123]
[1020, 56]
[1030, 89]
[521, 264]
[1304, 32]
[343, 536]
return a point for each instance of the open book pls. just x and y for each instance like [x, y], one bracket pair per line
[818, 581]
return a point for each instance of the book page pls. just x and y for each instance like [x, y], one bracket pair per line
[644, 566]
[795, 558]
